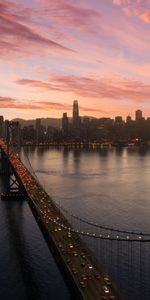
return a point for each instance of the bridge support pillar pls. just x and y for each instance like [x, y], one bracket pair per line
[13, 189]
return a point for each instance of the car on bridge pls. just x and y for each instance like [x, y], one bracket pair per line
[82, 284]
[107, 280]
[105, 289]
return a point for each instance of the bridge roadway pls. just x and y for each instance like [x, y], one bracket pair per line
[77, 261]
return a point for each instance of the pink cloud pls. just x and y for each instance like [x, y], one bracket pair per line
[17, 30]
[12, 31]
[105, 40]
[146, 17]
[69, 14]
[119, 2]
[7, 47]
[111, 88]
[19, 22]
[137, 8]
[8, 102]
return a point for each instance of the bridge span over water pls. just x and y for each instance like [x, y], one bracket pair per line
[76, 260]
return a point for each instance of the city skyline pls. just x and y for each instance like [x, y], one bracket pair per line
[80, 130]
[95, 52]
[75, 115]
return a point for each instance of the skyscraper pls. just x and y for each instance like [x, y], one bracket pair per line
[75, 109]
[65, 124]
[76, 119]
[138, 115]
[118, 120]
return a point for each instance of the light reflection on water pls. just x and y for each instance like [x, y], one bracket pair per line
[99, 183]
[108, 186]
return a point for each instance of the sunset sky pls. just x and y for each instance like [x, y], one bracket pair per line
[55, 51]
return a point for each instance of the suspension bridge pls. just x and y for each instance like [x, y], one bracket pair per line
[71, 237]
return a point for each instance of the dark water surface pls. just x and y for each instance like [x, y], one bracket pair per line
[109, 186]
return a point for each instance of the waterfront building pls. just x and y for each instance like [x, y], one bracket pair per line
[138, 115]
[38, 129]
[76, 118]
[65, 124]
[128, 119]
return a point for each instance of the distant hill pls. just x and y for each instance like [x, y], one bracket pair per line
[54, 122]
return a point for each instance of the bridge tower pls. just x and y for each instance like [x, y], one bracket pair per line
[12, 136]
[13, 186]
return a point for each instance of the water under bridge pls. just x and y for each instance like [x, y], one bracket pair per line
[68, 235]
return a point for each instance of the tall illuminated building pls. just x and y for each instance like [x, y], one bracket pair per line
[75, 109]
[76, 118]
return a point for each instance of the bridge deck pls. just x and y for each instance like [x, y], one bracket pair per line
[77, 260]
